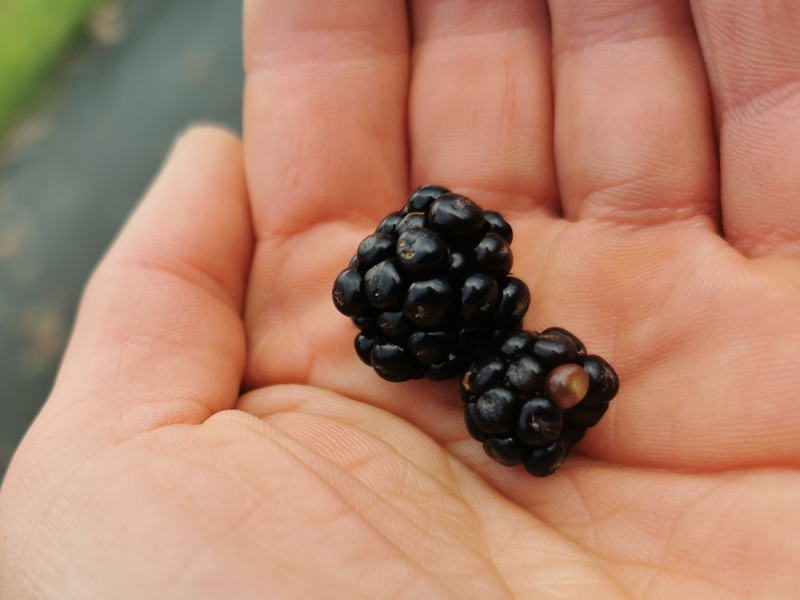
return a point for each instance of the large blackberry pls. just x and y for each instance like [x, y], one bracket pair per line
[533, 396]
[431, 287]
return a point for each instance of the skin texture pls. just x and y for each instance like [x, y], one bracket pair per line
[212, 434]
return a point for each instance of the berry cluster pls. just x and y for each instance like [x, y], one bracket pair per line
[532, 398]
[431, 286]
[430, 291]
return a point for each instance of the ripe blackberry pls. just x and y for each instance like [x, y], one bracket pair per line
[533, 396]
[431, 287]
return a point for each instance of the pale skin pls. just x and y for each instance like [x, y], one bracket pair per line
[211, 433]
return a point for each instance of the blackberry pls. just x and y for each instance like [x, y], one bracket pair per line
[532, 397]
[431, 288]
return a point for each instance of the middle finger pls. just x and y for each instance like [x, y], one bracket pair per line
[481, 114]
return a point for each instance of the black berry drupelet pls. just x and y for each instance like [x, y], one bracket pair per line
[431, 288]
[532, 397]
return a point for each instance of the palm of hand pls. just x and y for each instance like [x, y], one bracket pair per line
[326, 481]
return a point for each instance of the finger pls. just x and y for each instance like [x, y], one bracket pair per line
[634, 137]
[325, 111]
[480, 104]
[754, 65]
[159, 338]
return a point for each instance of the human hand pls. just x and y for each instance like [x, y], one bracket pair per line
[147, 475]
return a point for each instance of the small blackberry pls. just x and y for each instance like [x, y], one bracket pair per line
[533, 396]
[433, 284]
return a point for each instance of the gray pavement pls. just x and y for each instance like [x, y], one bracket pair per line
[73, 171]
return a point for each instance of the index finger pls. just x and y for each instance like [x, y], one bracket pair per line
[325, 110]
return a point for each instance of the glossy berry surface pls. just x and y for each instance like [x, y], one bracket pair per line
[421, 250]
[474, 431]
[493, 255]
[603, 380]
[436, 270]
[495, 411]
[365, 321]
[374, 249]
[479, 297]
[456, 217]
[508, 451]
[460, 265]
[495, 223]
[516, 343]
[555, 349]
[485, 373]
[428, 301]
[348, 293]
[544, 461]
[409, 222]
[431, 347]
[578, 344]
[365, 342]
[390, 223]
[539, 422]
[393, 324]
[515, 298]
[423, 197]
[383, 286]
[451, 367]
[392, 362]
[526, 376]
[539, 381]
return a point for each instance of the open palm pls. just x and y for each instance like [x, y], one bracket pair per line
[213, 435]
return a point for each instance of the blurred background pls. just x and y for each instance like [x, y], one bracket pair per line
[92, 93]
